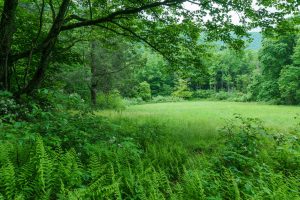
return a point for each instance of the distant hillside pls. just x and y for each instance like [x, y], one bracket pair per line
[257, 41]
[255, 44]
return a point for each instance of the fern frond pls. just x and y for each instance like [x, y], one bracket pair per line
[8, 180]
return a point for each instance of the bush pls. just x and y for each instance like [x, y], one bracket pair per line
[144, 91]
[59, 100]
[221, 95]
[67, 101]
[113, 100]
[12, 111]
[239, 97]
[269, 92]
[248, 142]
[203, 94]
[160, 99]
[182, 90]
[8, 107]
[133, 101]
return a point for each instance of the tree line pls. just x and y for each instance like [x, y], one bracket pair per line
[36, 36]
[132, 70]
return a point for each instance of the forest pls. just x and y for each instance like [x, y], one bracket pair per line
[149, 99]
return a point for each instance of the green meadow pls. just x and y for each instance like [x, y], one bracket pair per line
[204, 118]
[198, 123]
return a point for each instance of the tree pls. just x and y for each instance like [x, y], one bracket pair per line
[109, 57]
[274, 55]
[144, 91]
[59, 23]
[289, 84]
[296, 54]
[155, 72]
[182, 90]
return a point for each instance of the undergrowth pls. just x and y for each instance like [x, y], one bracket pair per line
[61, 154]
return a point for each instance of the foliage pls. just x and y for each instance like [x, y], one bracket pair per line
[8, 107]
[95, 158]
[160, 99]
[144, 91]
[182, 90]
[289, 85]
[56, 56]
[202, 94]
[221, 95]
[112, 100]
[133, 101]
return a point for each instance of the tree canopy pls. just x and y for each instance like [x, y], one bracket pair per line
[33, 31]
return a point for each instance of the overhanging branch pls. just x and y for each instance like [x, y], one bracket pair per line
[116, 14]
[135, 35]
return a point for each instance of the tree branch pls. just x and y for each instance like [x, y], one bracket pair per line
[112, 16]
[52, 10]
[135, 35]
[34, 41]
[85, 22]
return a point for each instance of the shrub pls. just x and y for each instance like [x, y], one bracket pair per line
[68, 101]
[160, 99]
[8, 107]
[248, 142]
[269, 92]
[58, 99]
[113, 100]
[182, 90]
[203, 94]
[144, 91]
[239, 97]
[133, 101]
[222, 95]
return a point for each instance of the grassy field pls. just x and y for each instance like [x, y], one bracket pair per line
[198, 120]
[210, 114]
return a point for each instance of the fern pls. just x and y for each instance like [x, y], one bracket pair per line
[44, 167]
[8, 180]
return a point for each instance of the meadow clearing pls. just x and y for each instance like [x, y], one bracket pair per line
[198, 120]
[219, 148]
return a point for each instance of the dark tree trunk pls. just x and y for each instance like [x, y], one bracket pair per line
[93, 74]
[228, 86]
[47, 48]
[7, 29]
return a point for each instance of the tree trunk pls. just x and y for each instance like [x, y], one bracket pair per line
[228, 86]
[93, 74]
[222, 82]
[7, 29]
[47, 48]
